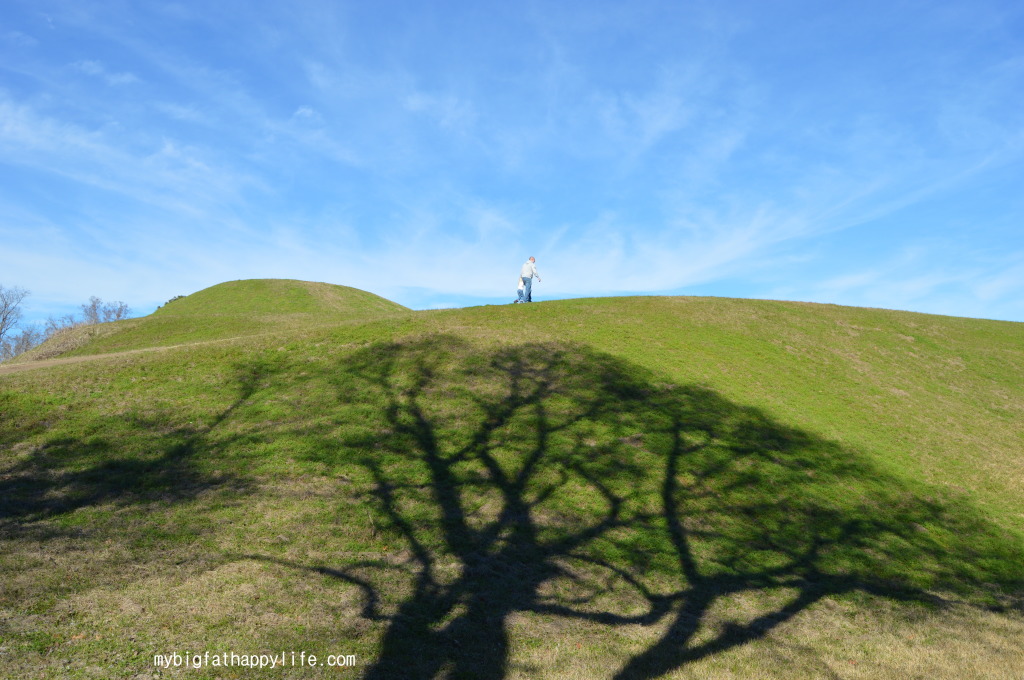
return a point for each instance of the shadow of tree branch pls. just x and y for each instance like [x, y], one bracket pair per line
[562, 482]
[124, 459]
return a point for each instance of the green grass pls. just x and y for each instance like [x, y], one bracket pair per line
[636, 488]
[245, 308]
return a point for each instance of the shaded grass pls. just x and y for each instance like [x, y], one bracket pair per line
[519, 462]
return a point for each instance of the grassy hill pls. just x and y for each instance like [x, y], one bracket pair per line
[617, 487]
[244, 308]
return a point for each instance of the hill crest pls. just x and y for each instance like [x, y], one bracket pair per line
[278, 296]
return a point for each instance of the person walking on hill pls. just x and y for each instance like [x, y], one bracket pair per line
[526, 274]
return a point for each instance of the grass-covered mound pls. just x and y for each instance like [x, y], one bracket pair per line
[243, 308]
[269, 298]
[640, 488]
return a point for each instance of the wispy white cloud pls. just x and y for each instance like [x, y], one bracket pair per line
[163, 174]
[184, 112]
[96, 69]
[1002, 284]
[19, 39]
[940, 277]
[450, 111]
[641, 120]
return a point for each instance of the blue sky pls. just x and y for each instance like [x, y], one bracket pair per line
[865, 153]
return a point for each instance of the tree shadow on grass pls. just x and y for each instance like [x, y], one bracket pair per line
[125, 459]
[555, 480]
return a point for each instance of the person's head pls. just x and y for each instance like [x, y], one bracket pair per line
[531, 259]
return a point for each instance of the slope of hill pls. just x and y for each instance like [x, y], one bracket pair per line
[617, 487]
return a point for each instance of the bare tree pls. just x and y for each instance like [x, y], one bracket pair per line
[56, 324]
[97, 311]
[10, 309]
[91, 311]
[26, 339]
[115, 311]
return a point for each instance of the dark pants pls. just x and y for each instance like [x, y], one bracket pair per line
[527, 288]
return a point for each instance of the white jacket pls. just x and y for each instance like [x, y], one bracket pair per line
[529, 270]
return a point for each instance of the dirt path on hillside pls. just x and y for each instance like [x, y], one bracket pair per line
[46, 363]
[7, 369]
